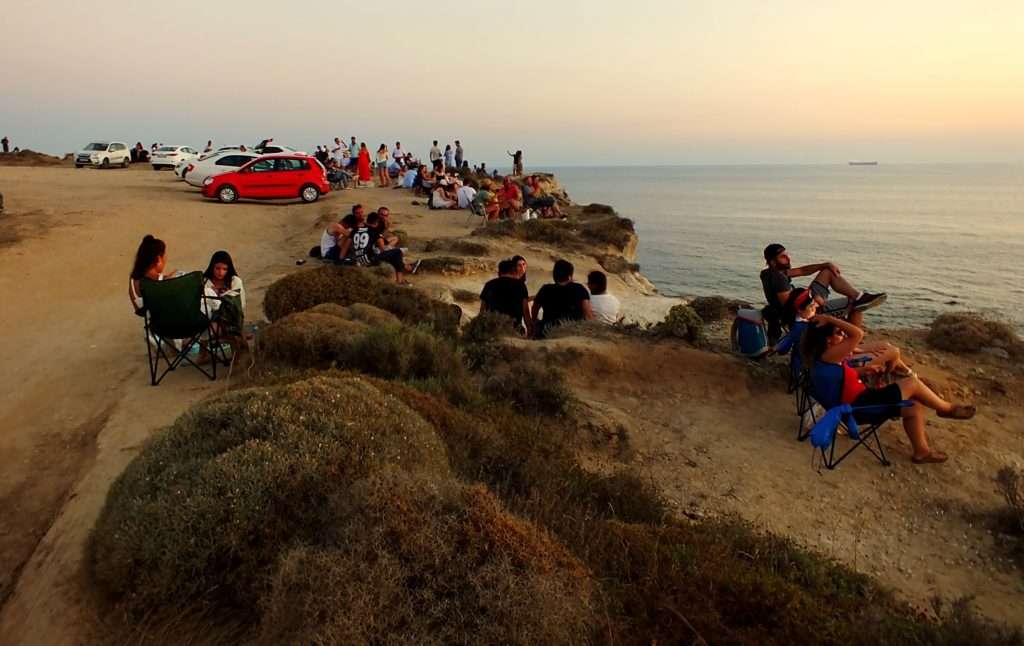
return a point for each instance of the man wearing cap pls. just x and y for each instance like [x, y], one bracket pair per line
[776, 279]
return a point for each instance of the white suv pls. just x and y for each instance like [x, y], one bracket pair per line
[104, 155]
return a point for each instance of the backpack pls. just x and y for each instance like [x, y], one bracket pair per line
[749, 334]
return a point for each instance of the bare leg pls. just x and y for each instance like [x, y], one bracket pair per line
[913, 425]
[915, 389]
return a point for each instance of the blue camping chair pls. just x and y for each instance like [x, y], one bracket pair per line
[824, 384]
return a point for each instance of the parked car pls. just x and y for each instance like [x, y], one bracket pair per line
[169, 156]
[104, 155]
[272, 148]
[224, 162]
[278, 176]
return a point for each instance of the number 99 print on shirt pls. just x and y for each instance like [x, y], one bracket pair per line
[363, 240]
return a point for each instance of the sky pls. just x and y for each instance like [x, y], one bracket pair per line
[596, 82]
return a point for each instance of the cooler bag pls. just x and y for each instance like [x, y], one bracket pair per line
[749, 336]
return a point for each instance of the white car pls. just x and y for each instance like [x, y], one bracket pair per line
[104, 154]
[229, 160]
[169, 156]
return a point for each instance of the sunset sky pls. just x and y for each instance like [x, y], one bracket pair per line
[569, 82]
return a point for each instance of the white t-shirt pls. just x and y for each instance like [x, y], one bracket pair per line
[605, 308]
[327, 242]
[466, 195]
[435, 154]
[340, 151]
[398, 154]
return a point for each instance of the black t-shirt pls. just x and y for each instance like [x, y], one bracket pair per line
[774, 281]
[505, 294]
[363, 241]
[562, 302]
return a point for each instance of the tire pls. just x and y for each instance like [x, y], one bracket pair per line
[227, 194]
[105, 163]
[155, 167]
[124, 163]
[309, 193]
[78, 165]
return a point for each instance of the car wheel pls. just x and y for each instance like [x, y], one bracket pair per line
[124, 163]
[227, 194]
[155, 167]
[309, 193]
[105, 163]
[78, 165]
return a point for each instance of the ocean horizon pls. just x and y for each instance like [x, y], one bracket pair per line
[936, 237]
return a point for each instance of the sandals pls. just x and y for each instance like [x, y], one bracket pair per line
[960, 412]
[935, 457]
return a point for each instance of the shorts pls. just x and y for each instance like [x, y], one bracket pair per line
[890, 396]
[836, 305]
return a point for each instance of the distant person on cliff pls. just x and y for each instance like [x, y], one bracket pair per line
[399, 155]
[517, 162]
[828, 341]
[6, 144]
[776, 280]
[435, 154]
[383, 179]
[459, 155]
[560, 301]
[449, 157]
[540, 201]
[209, 146]
[604, 305]
[507, 295]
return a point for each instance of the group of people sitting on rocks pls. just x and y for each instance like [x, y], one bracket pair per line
[560, 301]
[358, 239]
[223, 298]
[826, 336]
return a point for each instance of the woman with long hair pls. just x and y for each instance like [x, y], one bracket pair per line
[827, 343]
[365, 175]
[227, 303]
[150, 263]
[382, 166]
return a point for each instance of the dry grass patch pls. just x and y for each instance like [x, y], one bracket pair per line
[968, 332]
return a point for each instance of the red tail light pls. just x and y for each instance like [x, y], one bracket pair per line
[190, 168]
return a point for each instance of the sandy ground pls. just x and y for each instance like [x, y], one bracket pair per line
[75, 401]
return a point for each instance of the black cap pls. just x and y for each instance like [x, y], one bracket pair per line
[772, 251]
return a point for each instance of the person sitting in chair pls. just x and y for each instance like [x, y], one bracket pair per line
[830, 341]
[150, 262]
[777, 282]
[221, 281]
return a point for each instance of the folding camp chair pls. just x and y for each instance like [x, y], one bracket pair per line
[824, 386]
[476, 210]
[176, 310]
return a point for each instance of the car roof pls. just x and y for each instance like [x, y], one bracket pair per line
[284, 155]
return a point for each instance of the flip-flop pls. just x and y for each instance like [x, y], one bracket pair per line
[960, 412]
[935, 457]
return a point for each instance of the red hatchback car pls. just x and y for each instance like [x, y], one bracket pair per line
[271, 177]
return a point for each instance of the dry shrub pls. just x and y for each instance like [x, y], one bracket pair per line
[360, 312]
[420, 561]
[209, 505]
[714, 308]
[448, 265]
[531, 386]
[459, 246]
[970, 332]
[554, 232]
[487, 327]
[613, 231]
[682, 322]
[310, 339]
[598, 209]
[1011, 484]
[465, 295]
[617, 264]
[302, 290]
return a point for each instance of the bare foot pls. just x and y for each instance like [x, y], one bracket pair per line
[934, 457]
[959, 411]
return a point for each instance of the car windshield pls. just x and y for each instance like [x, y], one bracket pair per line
[96, 147]
[168, 149]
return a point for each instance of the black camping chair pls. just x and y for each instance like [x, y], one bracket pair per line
[176, 310]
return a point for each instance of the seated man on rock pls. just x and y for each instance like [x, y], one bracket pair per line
[604, 305]
[510, 199]
[508, 295]
[561, 301]
[776, 280]
[365, 247]
[335, 233]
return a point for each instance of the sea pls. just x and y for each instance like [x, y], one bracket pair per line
[935, 238]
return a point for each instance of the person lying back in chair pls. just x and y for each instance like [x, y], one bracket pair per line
[776, 280]
[827, 343]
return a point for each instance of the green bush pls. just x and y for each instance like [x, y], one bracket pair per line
[415, 560]
[714, 308]
[209, 505]
[531, 386]
[487, 327]
[302, 290]
[683, 322]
